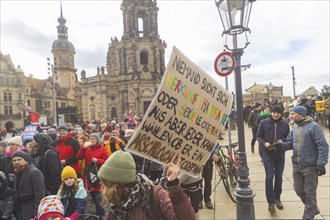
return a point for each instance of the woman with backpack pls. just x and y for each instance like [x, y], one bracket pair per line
[131, 196]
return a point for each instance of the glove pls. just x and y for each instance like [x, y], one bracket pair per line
[321, 170]
[278, 147]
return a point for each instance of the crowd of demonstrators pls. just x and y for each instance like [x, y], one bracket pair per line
[273, 130]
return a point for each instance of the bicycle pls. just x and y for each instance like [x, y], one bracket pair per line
[227, 167]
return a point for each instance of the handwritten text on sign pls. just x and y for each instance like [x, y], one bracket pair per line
[185, 118]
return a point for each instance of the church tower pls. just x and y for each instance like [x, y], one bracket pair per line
[136, 63]
[63, 52]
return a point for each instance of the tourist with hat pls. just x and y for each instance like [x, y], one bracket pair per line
[93, 153]
[29, 186]
[48, 162]
[72, 193]
[132, 196]
[273, 130]
[310, 156]
[68, 147]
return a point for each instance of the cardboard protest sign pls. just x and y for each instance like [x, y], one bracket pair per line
[185, 117]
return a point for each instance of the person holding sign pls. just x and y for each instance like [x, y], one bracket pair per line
[133, 196]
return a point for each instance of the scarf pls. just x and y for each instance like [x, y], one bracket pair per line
[140, 194]
[17, 170]
[71, 203]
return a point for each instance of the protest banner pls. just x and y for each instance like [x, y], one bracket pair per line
[185, 117]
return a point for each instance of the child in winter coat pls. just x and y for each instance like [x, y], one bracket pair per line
[7, 198]
[72, 194]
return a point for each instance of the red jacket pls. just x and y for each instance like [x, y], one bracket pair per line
[68, 149]
[100, 153]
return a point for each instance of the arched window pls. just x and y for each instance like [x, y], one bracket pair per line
[143, 58]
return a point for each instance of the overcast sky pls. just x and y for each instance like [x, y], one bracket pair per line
[284, 33]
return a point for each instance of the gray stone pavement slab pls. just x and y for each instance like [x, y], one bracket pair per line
[293, 207]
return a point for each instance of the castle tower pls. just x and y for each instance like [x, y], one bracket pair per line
[63, 52]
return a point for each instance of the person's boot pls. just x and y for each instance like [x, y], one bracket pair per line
[252, 148]
[271, 208]
[209, 205]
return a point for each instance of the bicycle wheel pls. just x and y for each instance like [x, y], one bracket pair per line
[225, 180]
[233, 174]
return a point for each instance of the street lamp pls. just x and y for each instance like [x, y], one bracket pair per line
[235, 16]
[270, 88]
[53, 78]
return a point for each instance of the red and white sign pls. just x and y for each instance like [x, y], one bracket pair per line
[224, 64]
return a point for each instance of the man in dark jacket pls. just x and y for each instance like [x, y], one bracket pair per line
[252, 123]
[68, 147]
[271, 131]
[48, 162]
[29, 186]
[7, 198]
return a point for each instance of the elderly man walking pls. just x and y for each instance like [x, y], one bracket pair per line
[310, 155]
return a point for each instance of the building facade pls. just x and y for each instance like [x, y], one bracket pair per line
[134, 67]
[260, 92]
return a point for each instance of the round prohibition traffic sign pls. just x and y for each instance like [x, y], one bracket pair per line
[224, 64]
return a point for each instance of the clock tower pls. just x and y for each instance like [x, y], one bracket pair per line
[63, 52]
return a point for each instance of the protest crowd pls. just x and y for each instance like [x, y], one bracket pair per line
[61, 171]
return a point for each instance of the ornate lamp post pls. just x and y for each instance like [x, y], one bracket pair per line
[235, 16]
[270, 88]
[53, 77]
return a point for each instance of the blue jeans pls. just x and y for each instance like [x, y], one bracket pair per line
[96, 196]
[274, 167]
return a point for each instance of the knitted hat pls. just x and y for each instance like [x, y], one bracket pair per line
[115, 132]
[257, 104]
[42, 139]
[119, 168]
[21, 154]
[95, 135]
[277, 108]
[17, 140]
[68, 172]
[51, 131]
[50, 206]
[301, 110]
[64, 127]
[104, 125]
[129, 133]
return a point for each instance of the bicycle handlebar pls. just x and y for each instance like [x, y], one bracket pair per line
[233, 145]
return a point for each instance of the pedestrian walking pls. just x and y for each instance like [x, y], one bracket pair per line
[310, 155]
[272, 131]
[252, 123]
